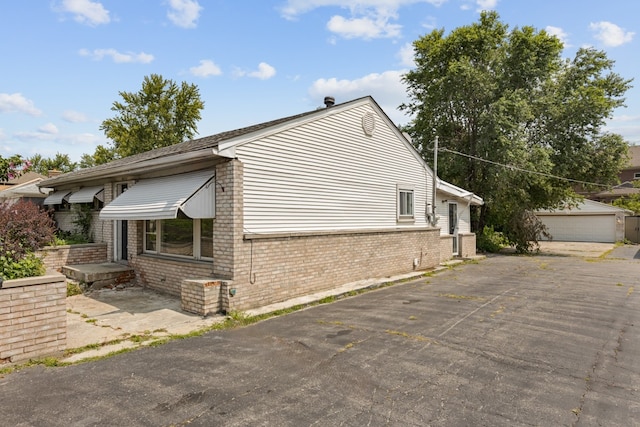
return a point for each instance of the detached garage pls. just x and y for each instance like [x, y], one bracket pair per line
[588, 222]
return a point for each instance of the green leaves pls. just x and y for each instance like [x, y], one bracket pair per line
[509, 97]
[161, 114]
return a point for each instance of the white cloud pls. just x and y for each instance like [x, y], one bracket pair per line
[610, 34]
[117, 57]
[264, 72]
[386, 88]
[559, 33]
[48, 128]
[184, 13]
[366, 27]
[205, 69]
[406, 55]
[368, 18]
[16, 103]
[486, 5]
[74, 117]
[86, 11]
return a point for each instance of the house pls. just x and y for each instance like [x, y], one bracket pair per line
[24, 187]
[277, 210]
[589, 221]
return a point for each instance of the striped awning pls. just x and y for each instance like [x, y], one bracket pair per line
[192, 193]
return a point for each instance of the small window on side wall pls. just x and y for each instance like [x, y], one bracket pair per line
[405, 203]
[636, 175]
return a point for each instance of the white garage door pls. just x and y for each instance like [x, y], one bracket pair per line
[584, 228]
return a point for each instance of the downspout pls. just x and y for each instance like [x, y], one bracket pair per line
[434, 218]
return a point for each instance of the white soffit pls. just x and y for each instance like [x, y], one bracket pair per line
[56, 197]
[86, 195]
[161, 198]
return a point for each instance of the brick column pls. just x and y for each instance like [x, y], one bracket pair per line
[227, 226]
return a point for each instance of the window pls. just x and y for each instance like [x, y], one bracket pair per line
[636, 175]
[405, 203]
[182, 237]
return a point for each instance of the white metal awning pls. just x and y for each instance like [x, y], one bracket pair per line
[86, 195]
[56, 197]
[162, 198]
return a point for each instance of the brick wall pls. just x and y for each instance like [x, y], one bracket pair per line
[64, 221]
[166, 274]
[446, 247]
[467, 242]
[33, 320]
[55, 257]
[279, 268]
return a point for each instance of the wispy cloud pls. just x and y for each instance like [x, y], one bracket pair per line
[117, 57]
[184, 13]
[74, 117]
[406, 55]
[368, 19]
[86, 11]
[205, 69]
[387, 89]
[486, 5]
[16, 103]
[559, 33]
[610, 34]
[264, 72]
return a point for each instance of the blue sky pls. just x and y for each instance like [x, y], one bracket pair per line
[64, 62]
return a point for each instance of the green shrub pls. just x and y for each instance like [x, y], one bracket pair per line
[491, 241]
[27, 266]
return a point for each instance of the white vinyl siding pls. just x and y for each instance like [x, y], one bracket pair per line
[463, 211]
[327, 174]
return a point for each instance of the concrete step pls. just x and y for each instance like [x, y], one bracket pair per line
[97, 276]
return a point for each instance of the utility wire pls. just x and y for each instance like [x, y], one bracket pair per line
[522, 169]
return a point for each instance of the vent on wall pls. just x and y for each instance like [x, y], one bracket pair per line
[368, 123]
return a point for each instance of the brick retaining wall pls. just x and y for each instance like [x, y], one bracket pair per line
[33, 319]
[55, 257]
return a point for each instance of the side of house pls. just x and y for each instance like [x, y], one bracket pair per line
[277, 210]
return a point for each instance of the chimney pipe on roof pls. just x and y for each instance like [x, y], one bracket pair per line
[329, 101]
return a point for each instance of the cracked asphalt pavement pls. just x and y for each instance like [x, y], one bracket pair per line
[507, 341]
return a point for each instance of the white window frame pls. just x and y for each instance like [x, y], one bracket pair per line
[158, 232]
[402, 192]
[636, 175]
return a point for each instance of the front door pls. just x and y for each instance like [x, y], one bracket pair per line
[121, 240]
[453, 226]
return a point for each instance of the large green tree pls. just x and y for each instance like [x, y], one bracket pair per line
[61, 162]
[498, 97]
[160, 114]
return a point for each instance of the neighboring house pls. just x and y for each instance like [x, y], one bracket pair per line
[277, 210]
[589, 221]
[632, 170]
[24, 187]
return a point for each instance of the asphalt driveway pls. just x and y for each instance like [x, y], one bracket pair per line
[507, 341]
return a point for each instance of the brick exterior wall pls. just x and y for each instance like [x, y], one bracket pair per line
[166, 274]
[33, 319]
[64, 221]
[467, 245]
[446, 248]
[55, 257]
[279, 268]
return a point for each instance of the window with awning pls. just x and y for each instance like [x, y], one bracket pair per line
[57, 197]
[192, 193]
[86, 195]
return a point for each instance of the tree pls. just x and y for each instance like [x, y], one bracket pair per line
[12, 167]
[160, 114]
[61, 162]
[496, 97]
[101, 156]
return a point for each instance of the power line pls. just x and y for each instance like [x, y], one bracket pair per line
[522, 169]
